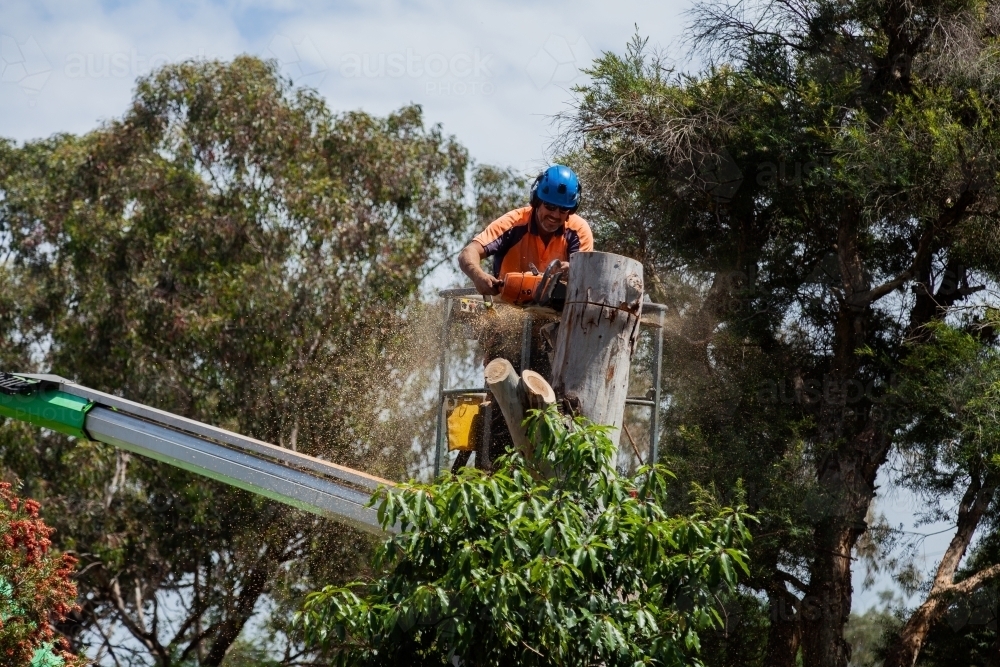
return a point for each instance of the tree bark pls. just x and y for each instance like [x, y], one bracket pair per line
[597, 335]
[785, 633]
[847, 477]
[850, 448]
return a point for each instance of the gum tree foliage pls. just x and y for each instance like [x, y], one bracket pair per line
[36, 587]
[823, 189]
[232, 251]
[557, 560]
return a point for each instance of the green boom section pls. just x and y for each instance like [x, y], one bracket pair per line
[55, 410]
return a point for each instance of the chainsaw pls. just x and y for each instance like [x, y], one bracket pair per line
[532, 288]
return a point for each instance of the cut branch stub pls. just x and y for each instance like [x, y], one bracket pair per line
[505, 385]
[598, 333]
[515, 395]
[538, 393]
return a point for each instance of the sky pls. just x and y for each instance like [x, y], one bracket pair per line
[494, 74]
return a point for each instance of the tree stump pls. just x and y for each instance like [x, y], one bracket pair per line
[538, 395]
[597, 336]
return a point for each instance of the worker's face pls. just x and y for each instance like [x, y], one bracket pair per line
[551, 218]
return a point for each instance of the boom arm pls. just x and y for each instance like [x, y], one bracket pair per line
[289, 477]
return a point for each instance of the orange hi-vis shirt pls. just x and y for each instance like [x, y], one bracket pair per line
[514, 243]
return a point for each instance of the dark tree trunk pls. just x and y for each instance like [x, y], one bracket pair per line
[848, 477]
[253, 587]
[785, 633]
[255, 584]
[849, 452]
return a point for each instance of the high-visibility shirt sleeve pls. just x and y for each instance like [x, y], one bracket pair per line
[492, 237]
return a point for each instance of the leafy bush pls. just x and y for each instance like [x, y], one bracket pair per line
[553, 561]
[35, 586]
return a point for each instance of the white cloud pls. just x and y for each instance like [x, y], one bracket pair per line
[300, 59]
[492, 73]
[559, 62]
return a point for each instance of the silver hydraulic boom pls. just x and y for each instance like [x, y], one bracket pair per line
[302, 481]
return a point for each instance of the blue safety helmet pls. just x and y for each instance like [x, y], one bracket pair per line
[559, 186]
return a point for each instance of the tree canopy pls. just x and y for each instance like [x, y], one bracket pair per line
[555, 560]
[232, 251]
[815, 197]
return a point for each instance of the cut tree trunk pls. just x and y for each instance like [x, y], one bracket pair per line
[597, 336]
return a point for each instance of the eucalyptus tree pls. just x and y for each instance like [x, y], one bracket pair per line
[231, 250]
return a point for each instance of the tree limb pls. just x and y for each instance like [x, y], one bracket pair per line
[137, 631]
[908, 644]
[876, 293]
[254, 586]
[107, 642]
[792, 579]
[948, 218]
[198, 639]
[971, 584]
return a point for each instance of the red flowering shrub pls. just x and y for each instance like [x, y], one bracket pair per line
[35, 585]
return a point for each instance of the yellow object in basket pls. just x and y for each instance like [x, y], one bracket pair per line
[463, 425]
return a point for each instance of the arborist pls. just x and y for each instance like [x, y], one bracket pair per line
[532, 236]
[539, 237]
